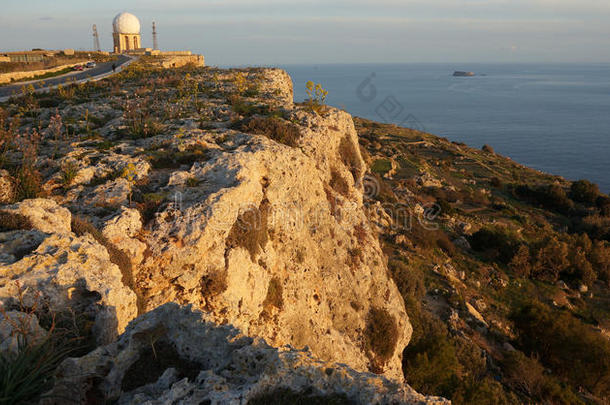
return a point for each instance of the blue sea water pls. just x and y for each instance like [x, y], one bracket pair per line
[554, 118]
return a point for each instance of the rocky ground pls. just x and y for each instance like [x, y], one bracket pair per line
[205, 188]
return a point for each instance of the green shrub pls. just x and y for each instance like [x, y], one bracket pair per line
[570, 348]
[192, 182]
[482, 391]
[173, 159]
[496, 182]
[488, 149]
[317, 97]
[381, 333]
[148, 204]
[381, 166]
[338, 183]
[603, 203]
[445, 207]
[431, 365]
[527, 376]
[24, 377]
[445, 244]
[497, 243]
[600, 259]
[28, 183]
[552, 197]
[69, 170]
[247, 109]
[550, 258]
[520, 263]
[409, 280]
[584, 191]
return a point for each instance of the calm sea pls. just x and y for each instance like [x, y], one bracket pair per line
[554, 118]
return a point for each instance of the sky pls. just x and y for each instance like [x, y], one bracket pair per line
[269, 32]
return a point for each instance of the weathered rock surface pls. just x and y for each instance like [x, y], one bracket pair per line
[16, 326]
[64, 271]
[172, 355]
[268, 236]
[7, 187]
[45, 215]
[274, 240]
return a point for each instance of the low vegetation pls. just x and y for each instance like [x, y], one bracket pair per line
[273, 127]
[317, 97]
[529, 252]
[12, 221]
[381, 335]
[286, 396]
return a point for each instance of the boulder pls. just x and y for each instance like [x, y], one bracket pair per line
[476, 315]
[67, 273]
[122, 230]
[45, 215]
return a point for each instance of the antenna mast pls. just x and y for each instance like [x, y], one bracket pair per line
[154, 32]
[96, 39]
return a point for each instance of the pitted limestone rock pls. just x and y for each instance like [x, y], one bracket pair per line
[211, 364]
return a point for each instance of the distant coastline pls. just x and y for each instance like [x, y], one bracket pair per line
[528, 112]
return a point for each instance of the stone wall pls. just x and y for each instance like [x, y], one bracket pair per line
[178, 61]
[14, 76]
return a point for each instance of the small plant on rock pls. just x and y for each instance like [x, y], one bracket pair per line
[381, 334]
[240, 82]
[69, 170]
[130, 173]
[317, 97]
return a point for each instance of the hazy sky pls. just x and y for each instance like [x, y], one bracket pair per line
[328, 31]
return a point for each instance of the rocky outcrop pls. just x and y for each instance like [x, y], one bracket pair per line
[172, 355]
[253, 215]
[62, 271]
[274, 240]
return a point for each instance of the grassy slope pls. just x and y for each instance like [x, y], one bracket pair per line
[478, 188]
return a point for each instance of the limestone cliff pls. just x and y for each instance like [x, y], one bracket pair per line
[253, 215]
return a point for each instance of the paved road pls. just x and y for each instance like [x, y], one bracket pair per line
[100, 71]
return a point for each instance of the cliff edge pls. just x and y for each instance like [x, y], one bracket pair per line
[211, 189]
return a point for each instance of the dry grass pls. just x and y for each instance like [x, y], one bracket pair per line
[275, 128]
[11, 221]
[350, 157]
